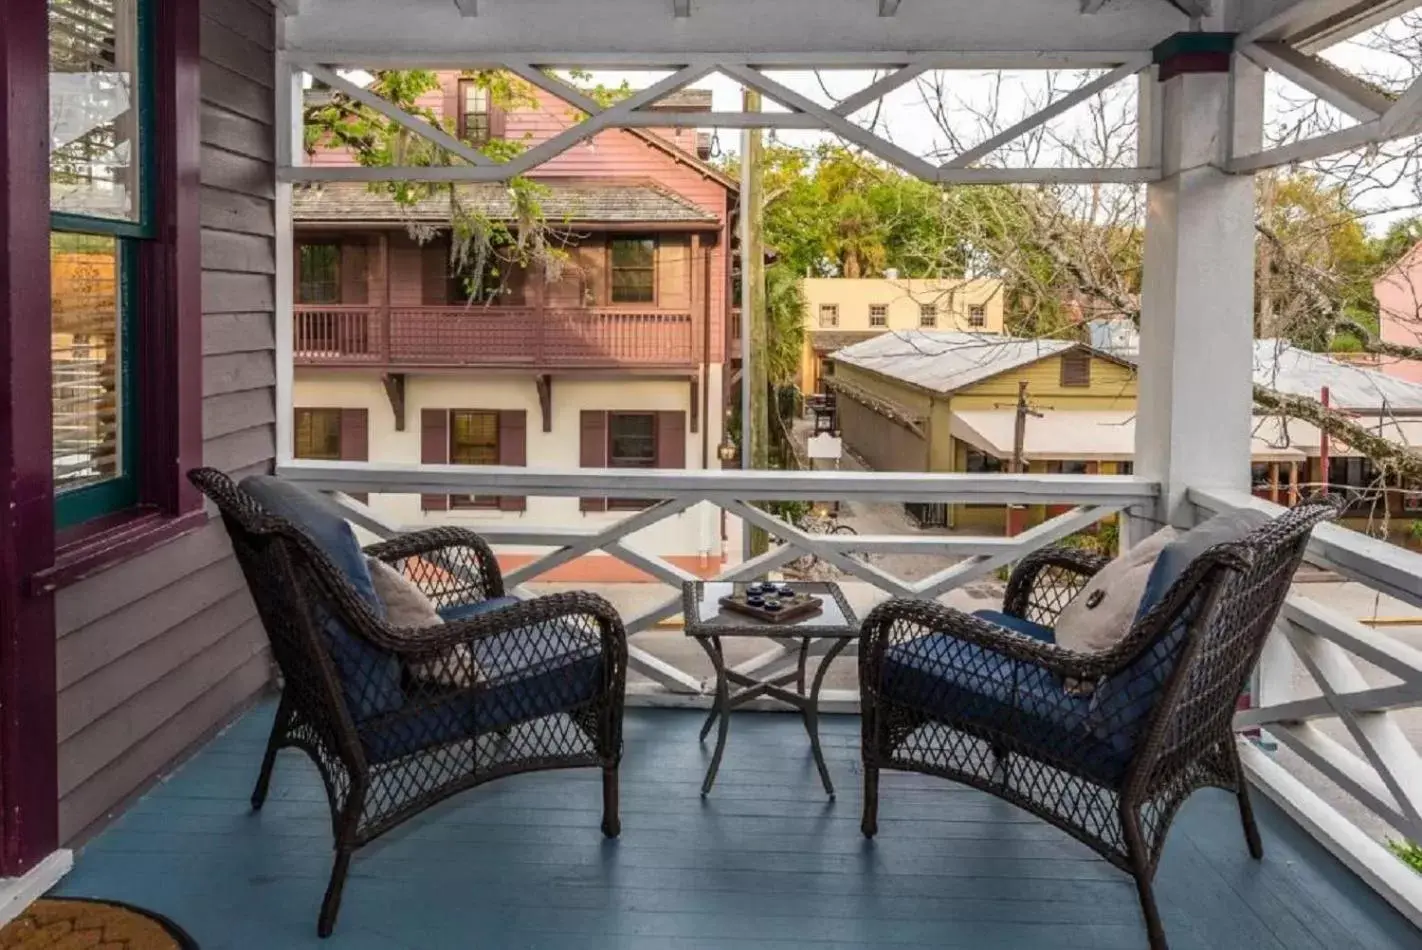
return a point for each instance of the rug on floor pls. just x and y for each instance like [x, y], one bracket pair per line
[93, 925]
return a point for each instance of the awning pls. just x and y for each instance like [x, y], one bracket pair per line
[1275, 431]
[1075, 435]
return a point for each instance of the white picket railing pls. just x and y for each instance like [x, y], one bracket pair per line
[733, 491]
[1313, 644]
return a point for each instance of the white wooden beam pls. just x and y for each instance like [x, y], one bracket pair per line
[888, 8]
[1402, 116]
[469, 8]
[1320, 77]
[1308, 149]
[385, 107]
[790, 59]
[1129, 68]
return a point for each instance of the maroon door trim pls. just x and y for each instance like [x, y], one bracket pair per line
[29, 784]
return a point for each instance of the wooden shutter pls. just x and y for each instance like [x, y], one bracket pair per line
[355, 440]
[434, 450]
[497, 120]
[592, 451]
[592, 268]
[434, 273]
[671, 439]
[513, 450]
[1076, 368]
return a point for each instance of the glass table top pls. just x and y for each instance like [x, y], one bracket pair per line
[835, 617]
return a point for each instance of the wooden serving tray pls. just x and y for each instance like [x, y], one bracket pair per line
[791, 609]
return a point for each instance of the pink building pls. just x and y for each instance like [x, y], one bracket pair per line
[1399, 295]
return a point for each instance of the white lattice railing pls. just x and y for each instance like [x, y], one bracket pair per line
[1310, 677]
[674, 492]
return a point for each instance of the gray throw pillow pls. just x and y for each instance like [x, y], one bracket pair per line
[1176, 556]
[407, 606]
[1100, 616]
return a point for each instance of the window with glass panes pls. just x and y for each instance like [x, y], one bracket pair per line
[977, 316]
[473, 112]
[318, 269]
[318, 434]
[927, 315]
[473, 440]
[101, 212]
[634, 270]
[829, 315]
[878, 315]
[631, 443]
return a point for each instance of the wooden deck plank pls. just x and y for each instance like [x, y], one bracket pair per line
[766, 862]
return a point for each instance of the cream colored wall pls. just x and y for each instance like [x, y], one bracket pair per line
[694, 532]
[904, 298]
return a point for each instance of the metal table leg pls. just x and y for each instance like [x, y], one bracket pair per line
[812, 712]
[720, 709]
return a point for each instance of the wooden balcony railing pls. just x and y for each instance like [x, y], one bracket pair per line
[493, 336]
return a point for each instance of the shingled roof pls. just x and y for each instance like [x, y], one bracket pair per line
[631, 203]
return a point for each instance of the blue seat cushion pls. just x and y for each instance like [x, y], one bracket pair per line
[1025, 627]
[370, 677]
[469, 611]
[528, 673]
[962, 684]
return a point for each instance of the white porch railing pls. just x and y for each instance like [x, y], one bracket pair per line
[1313, 645]
[674, 492]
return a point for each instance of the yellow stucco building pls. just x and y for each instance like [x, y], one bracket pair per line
[841, 311]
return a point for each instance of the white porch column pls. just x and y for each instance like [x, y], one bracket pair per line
[1196, 353]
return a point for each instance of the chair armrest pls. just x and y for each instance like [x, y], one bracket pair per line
[1045, 581]
[901, 620]
[451, 565]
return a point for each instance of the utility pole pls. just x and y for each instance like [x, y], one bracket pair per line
[1024, 408]
[755, 379]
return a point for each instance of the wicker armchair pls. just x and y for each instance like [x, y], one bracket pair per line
[972, 700]
[397, 720]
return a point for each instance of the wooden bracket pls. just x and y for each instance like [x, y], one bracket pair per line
[695, 406]
[544, 383]
[395, 391]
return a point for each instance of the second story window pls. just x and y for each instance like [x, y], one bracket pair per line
[878, 315]
[829, 315]
[318, 273]
[475, 116]
[634, 270]
[927, 316]
[977, 316]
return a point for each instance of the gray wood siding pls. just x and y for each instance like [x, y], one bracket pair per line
[157, 652]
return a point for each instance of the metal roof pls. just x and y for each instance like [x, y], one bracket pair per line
[946, 360]
[1288, 369]
[570, 202]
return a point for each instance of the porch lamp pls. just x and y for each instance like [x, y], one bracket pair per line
[726, 451]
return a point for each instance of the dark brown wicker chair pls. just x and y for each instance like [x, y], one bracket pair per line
[957, 696]
[397, 720]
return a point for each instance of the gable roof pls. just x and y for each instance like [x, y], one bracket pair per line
[571, 202]
[946, 361]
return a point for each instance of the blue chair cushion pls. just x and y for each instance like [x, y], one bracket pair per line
[528, 673]
[1025, 627]
[370, 677]
[1177, 555]
[962, 684]
[469, 611]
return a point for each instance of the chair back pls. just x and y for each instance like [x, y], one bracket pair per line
[318, 626]
[1220, 612]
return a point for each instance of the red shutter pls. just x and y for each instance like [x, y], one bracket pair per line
[434, 450]
[355, 440]
[497, 124]
[671, 439]
[513, 450]
[593, 451]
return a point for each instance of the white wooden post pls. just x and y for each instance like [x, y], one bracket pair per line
[1197, 306]
[289, 133]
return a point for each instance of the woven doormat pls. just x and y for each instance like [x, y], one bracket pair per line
[61, 924]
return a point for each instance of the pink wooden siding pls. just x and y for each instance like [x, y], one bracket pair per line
[1399, 294]
[614, 154]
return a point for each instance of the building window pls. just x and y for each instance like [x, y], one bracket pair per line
[634, 270]
[1125, 468]
[318, 267]
[982, 463]
[1066, 467]
[101, 214]
[1076, 368]
[878, 315]
[473, 440]
[474, 125]
[829, 315]
[631, 443]
[977, 316]
[318, 434]
[927, 316]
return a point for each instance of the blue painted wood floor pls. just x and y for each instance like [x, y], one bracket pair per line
[766, 862]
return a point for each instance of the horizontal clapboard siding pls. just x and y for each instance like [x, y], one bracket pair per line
[156, 653]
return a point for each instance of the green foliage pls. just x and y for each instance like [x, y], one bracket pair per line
[785, 308]
[1414, 529]
[1407, 852]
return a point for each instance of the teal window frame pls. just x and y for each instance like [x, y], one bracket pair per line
[79, 505]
